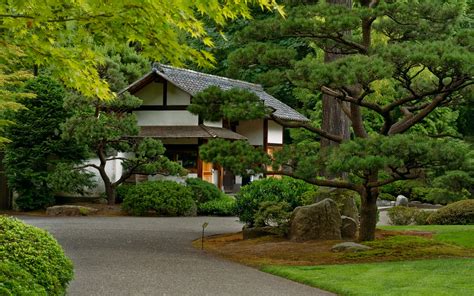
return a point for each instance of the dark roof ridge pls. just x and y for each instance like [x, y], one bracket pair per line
[255, 86]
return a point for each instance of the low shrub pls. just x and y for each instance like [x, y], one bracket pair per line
[401, 215]
[340, 196]
[203, 191]
[16, 281]
[223, 206]
[276, 214]
[122, 191]
[36, 252]
[421, 217]
[457, 213]
[164, 198]
[251, 196]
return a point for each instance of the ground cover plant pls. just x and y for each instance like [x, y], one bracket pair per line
[426, 277]
[30, 252]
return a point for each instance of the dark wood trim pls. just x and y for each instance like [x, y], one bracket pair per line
[265, 134]
[274, 144]
[165, 93]
[160, 107]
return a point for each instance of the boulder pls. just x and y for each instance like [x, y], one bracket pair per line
[318, 221]
[349, 228]
[69, 210]
[401, 201]
[350, 247]
[345, 200]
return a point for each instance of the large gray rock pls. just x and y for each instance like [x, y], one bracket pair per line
[70, 210]
[345, 200]
[349, 228]
[318, 221]
[349, 247]
[401, 201]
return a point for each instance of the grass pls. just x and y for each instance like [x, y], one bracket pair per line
[461, 235]
[449, 276]
[425, 277]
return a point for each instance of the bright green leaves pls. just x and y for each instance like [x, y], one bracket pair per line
[214, 104]
[61, 35]
[239, 157]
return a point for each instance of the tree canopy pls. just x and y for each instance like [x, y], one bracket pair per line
[399, 65]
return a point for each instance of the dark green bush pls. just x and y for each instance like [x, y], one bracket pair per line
[421, 217]
[164, 198]
[275, 214]
[458, 213]
[16, 281]
[203, 191]
[251, 196]
[223, 206]
[37, 252]
[122, 191]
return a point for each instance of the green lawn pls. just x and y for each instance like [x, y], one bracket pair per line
[452, 276]
[424, 277]
[461, 235]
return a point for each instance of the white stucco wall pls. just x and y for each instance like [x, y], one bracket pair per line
[177, 97]
[275, 133]
[166, 117]
[151, 94]
[253, 130]
[213, 123]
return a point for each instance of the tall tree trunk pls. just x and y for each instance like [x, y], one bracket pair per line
[334, 119]
[368, 211]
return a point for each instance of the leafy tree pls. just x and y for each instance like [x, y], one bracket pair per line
[36, 147]
[399, 63]
[110, 131]
[61, 35]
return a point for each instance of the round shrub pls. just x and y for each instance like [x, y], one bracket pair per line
[223, 206]
[203, 191]
[16, 281]
[251, 196]
[35, 251]
[401, 215]
[164, 198]
[457, 213]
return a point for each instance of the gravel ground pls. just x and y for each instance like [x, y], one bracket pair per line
[154, 256]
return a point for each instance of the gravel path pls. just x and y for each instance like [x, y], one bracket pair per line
[154, 256]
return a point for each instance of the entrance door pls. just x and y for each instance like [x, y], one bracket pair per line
[207, 171]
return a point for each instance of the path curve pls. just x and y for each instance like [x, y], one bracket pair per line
[154, 256]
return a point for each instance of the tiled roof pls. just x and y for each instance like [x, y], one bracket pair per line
[199, 131]
[194, 82]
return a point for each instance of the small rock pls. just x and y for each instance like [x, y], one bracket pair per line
[401, 201]
[321, 220]
[69, 210]
[350, 247]
[348, 228]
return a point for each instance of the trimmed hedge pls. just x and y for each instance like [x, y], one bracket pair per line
[457, 213]
[164, 198]
[16, 281]
[223, 206]
[36, 252]
[251, 197]
[203, 191]
[400, 215]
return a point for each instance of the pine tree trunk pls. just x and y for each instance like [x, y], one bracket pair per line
[111, 194]
[334, 119]
[368, 214]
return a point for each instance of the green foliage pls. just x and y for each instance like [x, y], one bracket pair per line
[421, 217]
[164, 198]
[61, 35]
[401, 215]
[221, 206]
[251, 197]
[272, 213]
[214, 104]
[203, 191]
[37, 252]
[457, 213]
[16, 281]
[239, 157]
[36, 148]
